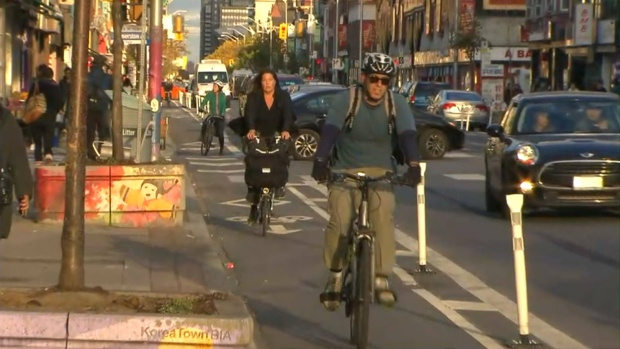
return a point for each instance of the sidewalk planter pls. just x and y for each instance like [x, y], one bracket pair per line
[138, 196]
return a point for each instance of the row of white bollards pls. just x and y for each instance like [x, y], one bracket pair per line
[515, 204]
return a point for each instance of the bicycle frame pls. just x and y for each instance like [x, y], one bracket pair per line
[360, 231]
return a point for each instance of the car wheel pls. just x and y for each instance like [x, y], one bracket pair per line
[305, 144]
[491, 203]
[433, 144]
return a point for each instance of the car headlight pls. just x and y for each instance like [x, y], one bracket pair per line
[527, 154]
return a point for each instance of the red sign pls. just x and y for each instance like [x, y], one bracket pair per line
[342, 36]
[466, 15]
[504, 5]
[518, 53]
[368, 34]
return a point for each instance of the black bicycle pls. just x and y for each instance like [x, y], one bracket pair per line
[208, 132]
[358, 285]
[265, 208]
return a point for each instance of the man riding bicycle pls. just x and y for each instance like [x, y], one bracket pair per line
[363, 142]
[216, 102]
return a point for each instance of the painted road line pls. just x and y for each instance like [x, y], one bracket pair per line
[469, 306]
[465, 176]
[457, 155]
[448, 312]
[217, 159]
[222, 171]
[245, 203]
[548, 334]
[196, 163]
[281, 230]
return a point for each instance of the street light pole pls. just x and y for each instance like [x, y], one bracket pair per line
[336, 39]
[455, 64]
[155, 71]
[361, 4]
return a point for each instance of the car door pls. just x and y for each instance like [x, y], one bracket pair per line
[495, 150]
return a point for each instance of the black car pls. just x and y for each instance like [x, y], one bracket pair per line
[436, 136]
[558, 149]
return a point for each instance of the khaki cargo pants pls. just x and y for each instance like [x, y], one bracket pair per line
[343, 203]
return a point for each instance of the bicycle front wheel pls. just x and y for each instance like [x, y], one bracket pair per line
[207, 139]
[362, 296]
[265, 211]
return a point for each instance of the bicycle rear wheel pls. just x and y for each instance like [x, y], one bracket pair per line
[265, 211]
[362, 297]
[207, 139]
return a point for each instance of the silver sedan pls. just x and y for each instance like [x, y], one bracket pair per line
[461, 107]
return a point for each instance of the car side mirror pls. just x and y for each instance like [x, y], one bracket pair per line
[495, 131]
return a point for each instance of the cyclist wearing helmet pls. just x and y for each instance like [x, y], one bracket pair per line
[216, 101]
[363, 143]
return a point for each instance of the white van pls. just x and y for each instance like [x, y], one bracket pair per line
[207, 72]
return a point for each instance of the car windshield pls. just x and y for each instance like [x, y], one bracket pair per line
[405, 88]
[429, 90]
[290, 81]
[569, 116]
[209, 77]
[463, 96]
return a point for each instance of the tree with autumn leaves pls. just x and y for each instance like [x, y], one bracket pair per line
[253, 54]
[469, 39]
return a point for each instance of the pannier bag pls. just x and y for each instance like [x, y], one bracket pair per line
[266, 164]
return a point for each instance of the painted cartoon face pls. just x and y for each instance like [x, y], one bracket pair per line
[149, 191]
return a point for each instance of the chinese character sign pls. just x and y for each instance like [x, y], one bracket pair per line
[583, 24]
[368, 34]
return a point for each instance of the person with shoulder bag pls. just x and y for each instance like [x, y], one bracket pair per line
[15, 174]
[269, 114]
[97, 119]
[43, 124]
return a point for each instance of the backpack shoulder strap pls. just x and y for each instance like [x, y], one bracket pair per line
[354, 106]
[390, 110]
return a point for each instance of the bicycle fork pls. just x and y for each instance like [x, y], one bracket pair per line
[363, 230]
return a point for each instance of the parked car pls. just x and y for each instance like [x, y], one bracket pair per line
[419, 93]
[558, 149]
[457, 106]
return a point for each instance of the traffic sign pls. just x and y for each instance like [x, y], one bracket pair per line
[131, 35]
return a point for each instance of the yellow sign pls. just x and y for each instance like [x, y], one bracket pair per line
[179, 36]
[231, 62]
[283, 31]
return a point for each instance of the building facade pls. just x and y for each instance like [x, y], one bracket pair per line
[574, 42]
[211, 20]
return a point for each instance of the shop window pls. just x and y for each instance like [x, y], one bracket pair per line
[565, 5]
[550, 6]
[608, 9]
[538, 8]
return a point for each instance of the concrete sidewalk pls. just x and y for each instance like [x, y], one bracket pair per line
[162, 260]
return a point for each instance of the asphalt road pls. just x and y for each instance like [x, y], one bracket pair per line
[572, 261]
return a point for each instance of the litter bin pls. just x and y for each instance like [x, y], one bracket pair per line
[130, 127]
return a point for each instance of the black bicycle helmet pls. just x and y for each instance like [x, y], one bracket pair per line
[378, 63]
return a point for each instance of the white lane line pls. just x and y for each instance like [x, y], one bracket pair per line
[221, 171]
[548, 334]
[465, 176]
[196, 163]
[215, 159]
[469, 306]
[457, 155]
[448, 312]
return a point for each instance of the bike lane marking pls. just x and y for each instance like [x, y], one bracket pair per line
[551, 336]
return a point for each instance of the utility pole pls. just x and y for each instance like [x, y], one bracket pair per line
[117, 88]
[455, 64]
[336, 39]
[361, 11]
[155, 71]
[71, 277]
[142, 81]
[286, 55]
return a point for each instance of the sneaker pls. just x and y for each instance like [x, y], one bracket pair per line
[383, 293]
[253, 217]
[332, 294]
[280, 192]
[48, 158]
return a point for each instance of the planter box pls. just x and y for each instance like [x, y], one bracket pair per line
[124, 196]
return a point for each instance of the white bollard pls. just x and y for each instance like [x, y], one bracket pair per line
[467, 125]
[421, 199]
[515, 204]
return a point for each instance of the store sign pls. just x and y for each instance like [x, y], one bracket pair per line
[492, 71]
[606, 32]
[583, 25]
[514, 54]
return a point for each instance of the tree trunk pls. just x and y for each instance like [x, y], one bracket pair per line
[71, 275]
[117, 87]
[472, 73]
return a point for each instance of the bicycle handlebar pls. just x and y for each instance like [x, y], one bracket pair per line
[363, 178]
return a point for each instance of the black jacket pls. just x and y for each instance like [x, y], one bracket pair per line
[13, 158]
[53, 99]
[281, 118]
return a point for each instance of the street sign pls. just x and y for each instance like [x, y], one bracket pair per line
[131, 35]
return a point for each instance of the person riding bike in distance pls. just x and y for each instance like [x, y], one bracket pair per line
[269, 112]
[216, 100]
[362, 141]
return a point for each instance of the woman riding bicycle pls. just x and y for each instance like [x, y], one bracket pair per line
[269, 113]
[216, 101]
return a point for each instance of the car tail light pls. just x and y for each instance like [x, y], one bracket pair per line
[412, 99]
[482, 107]
[448, 106]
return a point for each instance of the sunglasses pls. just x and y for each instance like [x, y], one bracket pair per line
[375, 79]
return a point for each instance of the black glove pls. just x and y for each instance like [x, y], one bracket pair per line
[320, 170]
[413, 176]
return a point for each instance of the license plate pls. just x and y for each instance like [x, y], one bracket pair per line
[587, 183]
[266, 170]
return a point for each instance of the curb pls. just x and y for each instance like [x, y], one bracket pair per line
[78, 330]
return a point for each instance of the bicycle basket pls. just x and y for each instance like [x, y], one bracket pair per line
[266, 167]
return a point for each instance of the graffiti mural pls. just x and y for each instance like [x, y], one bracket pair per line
[130, 196]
